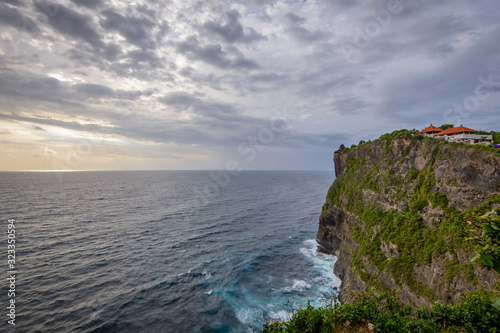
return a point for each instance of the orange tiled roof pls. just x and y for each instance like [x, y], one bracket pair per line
[430, 129]
[456, 130]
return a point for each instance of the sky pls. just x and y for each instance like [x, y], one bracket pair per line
[236, 85]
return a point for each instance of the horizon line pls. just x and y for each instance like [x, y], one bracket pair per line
[114, 170]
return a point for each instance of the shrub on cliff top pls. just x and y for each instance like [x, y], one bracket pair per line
[496, 137]
[446, 126]
[485, 236]
[384, 313]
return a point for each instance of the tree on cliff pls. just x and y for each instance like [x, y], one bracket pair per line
[446, 126]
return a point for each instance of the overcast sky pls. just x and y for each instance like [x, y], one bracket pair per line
[100, 85]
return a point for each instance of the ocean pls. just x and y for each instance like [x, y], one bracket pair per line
[163, 251]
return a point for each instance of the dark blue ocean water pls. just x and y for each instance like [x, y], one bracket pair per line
[144, 251]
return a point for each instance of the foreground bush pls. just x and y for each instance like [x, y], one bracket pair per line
[384, 313]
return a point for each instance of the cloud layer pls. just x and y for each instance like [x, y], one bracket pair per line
[193, 85]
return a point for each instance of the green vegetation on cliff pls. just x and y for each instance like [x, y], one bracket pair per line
[383, 313]
[417, 243]
[485, 235]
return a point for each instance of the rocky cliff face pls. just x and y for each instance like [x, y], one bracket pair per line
[396, 217]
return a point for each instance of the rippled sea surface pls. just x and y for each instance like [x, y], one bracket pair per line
[164, 251]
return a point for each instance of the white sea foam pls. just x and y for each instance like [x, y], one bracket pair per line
[280, 315]
[181, 274]
[298, 285]
[250, 315]
[208, 292]
[323, 264]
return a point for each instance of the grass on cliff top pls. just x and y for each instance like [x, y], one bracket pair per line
[384, 313]
[409, 134]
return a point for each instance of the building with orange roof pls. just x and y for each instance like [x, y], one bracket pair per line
[429, 131]
[463, 134]
[457, 130]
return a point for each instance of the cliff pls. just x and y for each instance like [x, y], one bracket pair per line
[395, 216]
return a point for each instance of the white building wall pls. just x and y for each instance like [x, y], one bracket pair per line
[468, 137]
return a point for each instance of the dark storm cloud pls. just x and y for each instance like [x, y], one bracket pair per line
[72, 24]
[131, 95]
[138, 63]
[232, 31]
[260, 3]
[348, 105]
[436, 38]
[88, 3]
[80, 73]
[214, 55]
[213, 115]
[33, 90]
[295, 28]
[320, 81]
[291, 17]
[441, 88]
[88, 56]
[342, 4]
[438, 35]
[187, 71]
[179, 98]
[315, 140]
[17, 3]
[418, 9]
[90, 90]
[137, 26]
[268, 77]
[136, 30]
[12, 17]
[216, 113]
[140, 57]
[203, 81]
[145, 10]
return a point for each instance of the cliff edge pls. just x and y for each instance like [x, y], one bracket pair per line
[396, 214]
